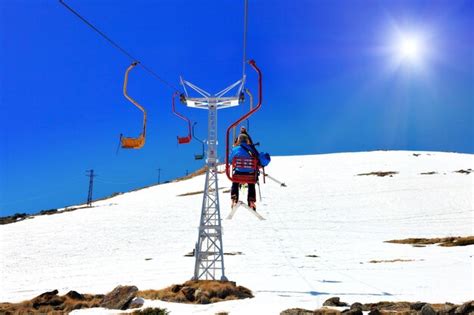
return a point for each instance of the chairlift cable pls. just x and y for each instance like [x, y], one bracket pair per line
[244, 61]
[118, 47]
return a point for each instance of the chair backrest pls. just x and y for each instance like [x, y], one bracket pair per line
[248, 163]
[132, 143]
[184, 140]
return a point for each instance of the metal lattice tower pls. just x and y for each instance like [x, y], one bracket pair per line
[91, 175]
[209, 250]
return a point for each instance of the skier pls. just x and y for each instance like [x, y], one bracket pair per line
[243, 149]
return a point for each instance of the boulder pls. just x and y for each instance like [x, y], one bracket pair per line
[427, 309]
[137, 303]
[374, 311]
[353, 311]
[188, 292]
[296, 311]
[119, 298]
[417, 306]
[465, 309]
[334, 301]
[50, 298]
[175, 288]
[75, 296]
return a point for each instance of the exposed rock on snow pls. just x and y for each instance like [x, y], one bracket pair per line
[334, 301]
[120, 297]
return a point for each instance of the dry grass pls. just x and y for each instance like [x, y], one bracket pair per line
[445, 242]
[379, 173]
[199, 292]
[390, 261]
[50, 303]
[466, 172]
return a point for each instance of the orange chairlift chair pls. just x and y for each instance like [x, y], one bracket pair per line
[250, 162]
[129, 142]
[187, 139]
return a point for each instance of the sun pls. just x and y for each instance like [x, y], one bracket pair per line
[410, 47]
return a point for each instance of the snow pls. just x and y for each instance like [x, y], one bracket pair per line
[325, 210]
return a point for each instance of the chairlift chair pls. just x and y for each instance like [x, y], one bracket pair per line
[198, 156]
[130, 142]
[187, 139]
[248, 162]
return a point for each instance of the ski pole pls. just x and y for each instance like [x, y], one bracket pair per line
[275, 180]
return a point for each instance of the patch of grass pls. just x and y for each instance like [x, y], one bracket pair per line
[199, 292]
[51, 303]
[466, 172]
[379, 173]
[151, 311]
[390, 261]
[429, 173]
[445, 241]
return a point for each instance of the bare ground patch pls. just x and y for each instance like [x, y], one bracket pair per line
[387, 308]
[465, 172]
[444, 241]
[379, 173]
[199, 292]
[52, 303]
[390, 261]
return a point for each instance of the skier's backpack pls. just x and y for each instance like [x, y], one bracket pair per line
[264, 158]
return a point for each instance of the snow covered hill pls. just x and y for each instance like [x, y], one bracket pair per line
[319, 235]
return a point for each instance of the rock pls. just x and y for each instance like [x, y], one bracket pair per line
[137, 303]
[417, 306]
[353, 311]
[50, 298]
[119, 298]
[465, 309]
[334, 301]
[449, 309]
[357, 305]
[326, 311]
[203, 299]
[375, 311]
[427, 309]
[75, 296]
[189, 293]
[175, 288]
[296, 311]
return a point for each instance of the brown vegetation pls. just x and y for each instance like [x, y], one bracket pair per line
[390, 308]
[379, 173]
[446, 241]
[199, 292]
[52, 303]
[390, 261]
[466, 172]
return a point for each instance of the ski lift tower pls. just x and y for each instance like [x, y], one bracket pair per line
[209, 251]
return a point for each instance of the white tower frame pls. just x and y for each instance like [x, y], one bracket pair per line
[209, 250]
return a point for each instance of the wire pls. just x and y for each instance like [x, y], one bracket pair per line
[118, 47]
[245, 38]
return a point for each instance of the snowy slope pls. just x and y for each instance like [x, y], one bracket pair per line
[326, 210]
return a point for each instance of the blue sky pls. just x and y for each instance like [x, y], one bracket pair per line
[335, 80]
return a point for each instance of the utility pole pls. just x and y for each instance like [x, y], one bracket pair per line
[91, 175]
[187, 172]
[159, 175]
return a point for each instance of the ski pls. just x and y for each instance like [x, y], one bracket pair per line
[240, 203]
